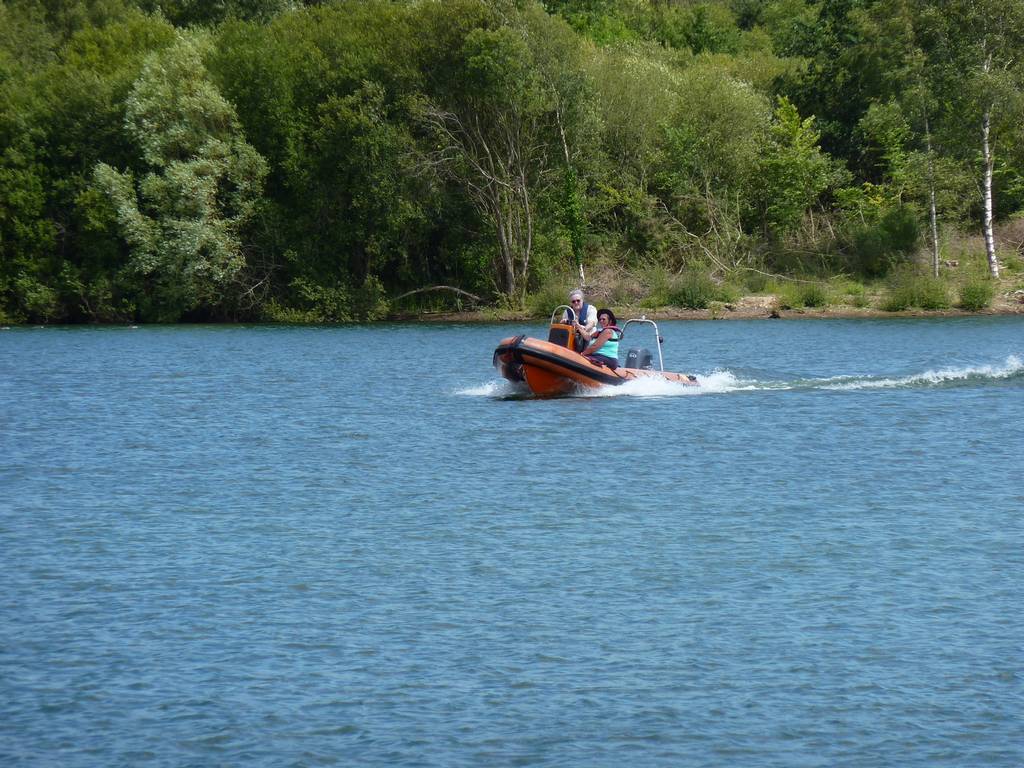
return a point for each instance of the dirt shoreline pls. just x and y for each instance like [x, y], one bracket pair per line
[747, 308]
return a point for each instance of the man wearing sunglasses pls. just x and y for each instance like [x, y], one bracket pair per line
[585, 320]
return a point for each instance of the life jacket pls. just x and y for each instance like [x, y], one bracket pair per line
[611, 347]
[581, 316]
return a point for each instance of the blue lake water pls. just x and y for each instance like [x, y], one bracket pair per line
[357, 546]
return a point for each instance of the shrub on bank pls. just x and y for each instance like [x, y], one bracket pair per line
[311, 302]
[849, 292]
[696, 290]
[547, 297]
[798, 295]
[976, 293]
[813, 294]
[693, 290]
[876, 246]
[911, 290]
[1012, 263]
[658, 281]
[754, 281]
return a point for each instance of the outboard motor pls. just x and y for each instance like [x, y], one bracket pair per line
[639, 358]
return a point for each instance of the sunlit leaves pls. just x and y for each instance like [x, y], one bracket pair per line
[182, 219]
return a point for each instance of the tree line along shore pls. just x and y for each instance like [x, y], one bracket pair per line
[317, 162]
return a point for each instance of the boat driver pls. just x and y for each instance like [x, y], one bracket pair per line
[585, 317]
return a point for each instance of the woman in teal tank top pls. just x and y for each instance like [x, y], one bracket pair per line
[604, 349]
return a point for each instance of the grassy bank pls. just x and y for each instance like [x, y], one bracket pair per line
[963, 286]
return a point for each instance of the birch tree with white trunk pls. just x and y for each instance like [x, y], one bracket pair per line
[977, 46]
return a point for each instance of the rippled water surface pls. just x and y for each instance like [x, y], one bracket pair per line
[357, 546]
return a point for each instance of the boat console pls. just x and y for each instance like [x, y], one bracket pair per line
[562, 333]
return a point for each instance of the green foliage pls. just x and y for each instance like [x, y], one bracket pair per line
[1013, 262]
[310, 302]
[38, 301]
[882, 238]
[549, 294]
[803, 294]
[754, 281]
[858, 53]
[699, 27]
[299, 160]
[496, 136]
[909, 173]
[182, 219]
[976, 293]
[573, 218]
[635, 90]
[793, 171]
[602, 28]
[97, 297]
[70, 115]
[709, 164]
[659, 285]
[850, 292]
[715, 133]
[26, 235]
[728, 292]
[26, 40]
[695, 289]
[371, 301]
[908, 289]
[186, 13]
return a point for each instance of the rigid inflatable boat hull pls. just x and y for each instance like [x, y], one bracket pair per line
[550, 369]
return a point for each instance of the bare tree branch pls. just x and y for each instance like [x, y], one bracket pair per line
[452, 288]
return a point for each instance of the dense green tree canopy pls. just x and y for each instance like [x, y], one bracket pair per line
[279, 159]
[201, 183]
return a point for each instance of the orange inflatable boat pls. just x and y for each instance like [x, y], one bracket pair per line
[554, 367]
